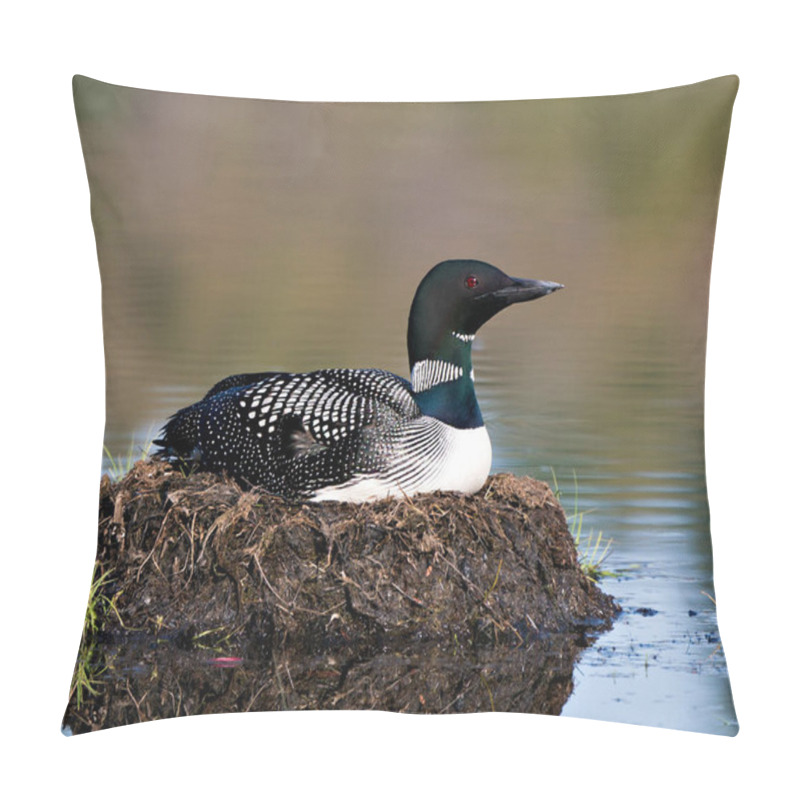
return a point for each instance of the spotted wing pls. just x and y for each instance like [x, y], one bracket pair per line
[293, 433]
[325, 407]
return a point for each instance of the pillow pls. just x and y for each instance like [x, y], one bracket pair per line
[259, 239]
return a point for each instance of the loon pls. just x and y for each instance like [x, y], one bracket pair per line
[358, 435]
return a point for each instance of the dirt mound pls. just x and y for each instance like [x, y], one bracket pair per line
[390, 603]
[200, 552]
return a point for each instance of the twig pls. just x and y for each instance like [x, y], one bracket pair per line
[414, 600]
[269, 585]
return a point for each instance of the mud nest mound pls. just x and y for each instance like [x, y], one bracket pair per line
[184, 556]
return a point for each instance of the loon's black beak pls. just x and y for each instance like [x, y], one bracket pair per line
[523, 289]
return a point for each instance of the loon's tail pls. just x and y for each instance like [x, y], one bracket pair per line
[179, 439]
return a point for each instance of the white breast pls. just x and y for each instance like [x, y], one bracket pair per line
[467, 462]
[431, 456]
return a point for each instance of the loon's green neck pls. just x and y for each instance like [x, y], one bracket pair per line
[442, 381]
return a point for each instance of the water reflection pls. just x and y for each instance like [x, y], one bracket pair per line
[144, 681]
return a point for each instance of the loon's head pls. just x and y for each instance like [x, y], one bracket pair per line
[456, 297]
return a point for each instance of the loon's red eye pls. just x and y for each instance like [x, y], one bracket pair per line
[471, 282]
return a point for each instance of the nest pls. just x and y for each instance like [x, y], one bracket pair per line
[200, 552]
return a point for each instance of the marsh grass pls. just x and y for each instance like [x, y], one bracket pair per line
[592, 547]
[120, 465]
[98, 609]
[214, 639]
